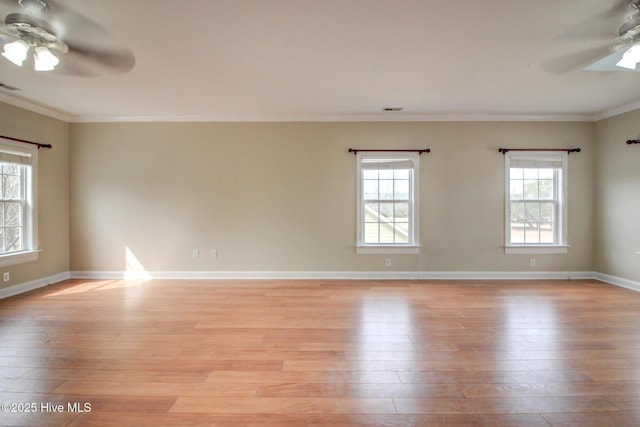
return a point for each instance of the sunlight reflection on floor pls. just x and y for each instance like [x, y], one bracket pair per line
[135, 275]
[134, 268]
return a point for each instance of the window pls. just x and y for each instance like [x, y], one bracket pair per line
[387, 203]
[536, 214]
[18, 228]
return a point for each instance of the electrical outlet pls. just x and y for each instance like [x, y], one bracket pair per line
[532, 262]
[196, 253]
[6, 276]
[387, 262]
[214, 253]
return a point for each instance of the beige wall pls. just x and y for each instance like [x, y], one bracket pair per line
[281, 196]
[53, 192]
[618, 197]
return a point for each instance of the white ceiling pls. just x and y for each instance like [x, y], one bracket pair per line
[339, 60]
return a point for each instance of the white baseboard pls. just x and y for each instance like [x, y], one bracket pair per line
[33, 285]
[337, 275]
[322, 275]
[618, 281]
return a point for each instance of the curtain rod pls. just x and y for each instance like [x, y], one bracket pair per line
[24, 141]
[568, 150]
[426, 150]
[633, 141]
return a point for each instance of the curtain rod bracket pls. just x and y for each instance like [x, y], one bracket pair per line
[426, 150]
[633, 141]
[24, 141]
[568, 150]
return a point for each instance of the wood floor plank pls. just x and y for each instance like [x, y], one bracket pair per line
[317, 353]
[371, 365]
[437, 420]
[514, 405]
[606, 374]
[629, 402]
[196, 364]
[53, 362]
[146, 375]
[285, 405]
[40, 419]
[594, 419]
[135, 419]
[357, 390]
[270, 377]
[584, 388]
[166, 389]
[22, 385]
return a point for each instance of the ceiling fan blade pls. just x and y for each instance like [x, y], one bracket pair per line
[91, 61]
[577, 61]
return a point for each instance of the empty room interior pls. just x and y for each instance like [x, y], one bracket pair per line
[314, 213]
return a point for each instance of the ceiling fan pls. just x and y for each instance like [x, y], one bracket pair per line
[51, 37]
[618, 52]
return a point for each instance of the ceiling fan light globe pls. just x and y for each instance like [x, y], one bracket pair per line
[631, 58]
[630, 65]
[16, 52]
[44, 60]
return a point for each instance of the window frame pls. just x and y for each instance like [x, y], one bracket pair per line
[30, 250]
[413, 244]
[560, 245]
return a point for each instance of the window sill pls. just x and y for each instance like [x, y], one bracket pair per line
[536, 249]
[387, 250]
[18, 258]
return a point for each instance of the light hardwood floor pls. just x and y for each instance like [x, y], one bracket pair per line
[322, 353]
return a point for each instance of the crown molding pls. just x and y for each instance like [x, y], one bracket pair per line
[377, 117]
[617, 111]
[365, 117]
[34, 107]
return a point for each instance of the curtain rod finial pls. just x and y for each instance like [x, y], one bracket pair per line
[27, 142]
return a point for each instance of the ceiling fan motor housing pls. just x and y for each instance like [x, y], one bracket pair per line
[630, 30]
[34, 31]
